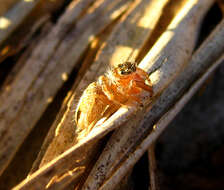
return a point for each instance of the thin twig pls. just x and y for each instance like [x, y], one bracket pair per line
[184, 28]
[57, 163]
[160, 126]
[154, 185]
[42, 76]
[14, 17]
[115, 48]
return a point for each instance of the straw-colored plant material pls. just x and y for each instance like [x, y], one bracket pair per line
[154, 181]
[43, 25]
[121, 42]
[165, 61]
[5, 5]
[127, 38]
[88, 37]
[11, 20]
[41, 177]
[208, 53]
[161, 125]
[43, 74]
[21, 23]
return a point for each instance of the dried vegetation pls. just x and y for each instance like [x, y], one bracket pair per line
[54, 49]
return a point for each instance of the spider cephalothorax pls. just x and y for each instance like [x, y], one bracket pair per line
[122, 85]
[127, 79]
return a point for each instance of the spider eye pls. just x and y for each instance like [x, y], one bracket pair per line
[122, 72]
[126, 68]
[120, 66]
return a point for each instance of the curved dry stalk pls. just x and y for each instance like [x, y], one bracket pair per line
[165, 61]
[154, 185]
[121, 42]
[63, 181]
[42, 24]
[25, 27]
[160, 126]
[117, 37]
[210, 50]
[136, 42]
[50, 138]
[11, 20]
[71, 153]
[122, 48]
[64, 127]
[6, 5]
[42, 75]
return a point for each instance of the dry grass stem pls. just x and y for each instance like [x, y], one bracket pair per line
[105, 55]
[6, 5]
[11, 20]
[210, 50]
[88, 37]
[127, 38]
[42, 75]
[160, 126]
[176, 57]
[154, 185]
[22, 23]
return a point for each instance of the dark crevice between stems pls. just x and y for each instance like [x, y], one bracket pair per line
[140, 174]
[210, 21]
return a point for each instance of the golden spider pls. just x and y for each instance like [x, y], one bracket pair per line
[121, 85]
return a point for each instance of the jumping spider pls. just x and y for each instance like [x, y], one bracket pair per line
[121, 85]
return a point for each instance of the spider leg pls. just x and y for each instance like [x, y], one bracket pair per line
[110, 90]
[142, 85]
